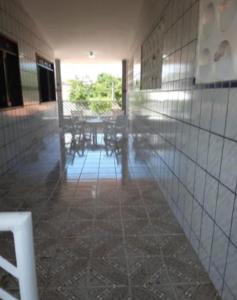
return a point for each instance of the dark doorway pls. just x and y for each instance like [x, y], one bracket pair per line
[13, 79]
[10, 79]
[3, 92]
[46, 80]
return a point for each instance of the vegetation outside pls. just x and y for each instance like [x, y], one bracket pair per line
[97, 96]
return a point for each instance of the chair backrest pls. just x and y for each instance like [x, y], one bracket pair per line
[121, 124]
[77, 114]
[20, 224]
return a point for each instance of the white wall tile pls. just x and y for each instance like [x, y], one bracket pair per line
[215, 155]
[231, 267]
[224, 210]
[203, 159]
[231, 127]
[22, 126]
[219, 250]
[228, 168]
[210, 198]
[220, 102]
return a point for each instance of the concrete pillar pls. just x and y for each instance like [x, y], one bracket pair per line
[124, 85]
[60, 115]
[125, 169]
[59, 91]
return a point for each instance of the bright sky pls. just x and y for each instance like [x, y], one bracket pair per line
[70, 71]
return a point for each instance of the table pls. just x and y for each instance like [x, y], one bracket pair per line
[94, 123]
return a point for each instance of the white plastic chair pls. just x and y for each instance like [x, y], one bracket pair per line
[20, 224]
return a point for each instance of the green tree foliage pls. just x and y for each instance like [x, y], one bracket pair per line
[100, 106]
[79, 91]
[98, 95]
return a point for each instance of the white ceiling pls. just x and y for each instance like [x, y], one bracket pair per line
[75, 27]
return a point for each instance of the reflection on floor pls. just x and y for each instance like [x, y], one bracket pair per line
[104, 231]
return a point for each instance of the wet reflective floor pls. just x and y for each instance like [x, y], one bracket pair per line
[104, 231]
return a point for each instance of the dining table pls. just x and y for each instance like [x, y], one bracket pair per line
[94, 123]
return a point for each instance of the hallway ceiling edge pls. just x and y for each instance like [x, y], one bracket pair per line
[76, 27]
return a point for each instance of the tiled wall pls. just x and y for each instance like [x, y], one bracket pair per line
[193, 147]
[151, 59]
[22, 128]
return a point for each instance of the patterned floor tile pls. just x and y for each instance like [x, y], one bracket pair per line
[103, 238]
[142, 246]
[108, 198]
[81, 200]
[69, 276]
[78, 228]
[148, 272]
[167, 225]
[185, 272]
[107, 228]
[134, 252]
[108, 246]
[177, 246]
[113, 226]
[108, 272]
[164, 292]
[130, 197]
[116, 293]
[197, 292]
[138, 227]
[9, 283]
[7, 247]
[64, 293]
[56, 213]
[46, 229]
[134, 211]
[42, 274]
[57, 261]
[107, 213]
[151, 194]
[81, 213]
[80, 246]
[157, 210]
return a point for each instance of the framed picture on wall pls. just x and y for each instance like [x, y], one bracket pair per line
[217, 42]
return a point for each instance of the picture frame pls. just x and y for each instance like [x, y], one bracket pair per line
[217, 42]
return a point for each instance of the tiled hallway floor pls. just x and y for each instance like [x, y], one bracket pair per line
[106, 233]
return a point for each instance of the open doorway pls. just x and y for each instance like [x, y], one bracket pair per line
[46, 80]
[93, 89]
[10, 81]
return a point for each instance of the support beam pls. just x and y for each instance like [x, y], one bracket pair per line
[59, 91]
[124, 86]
